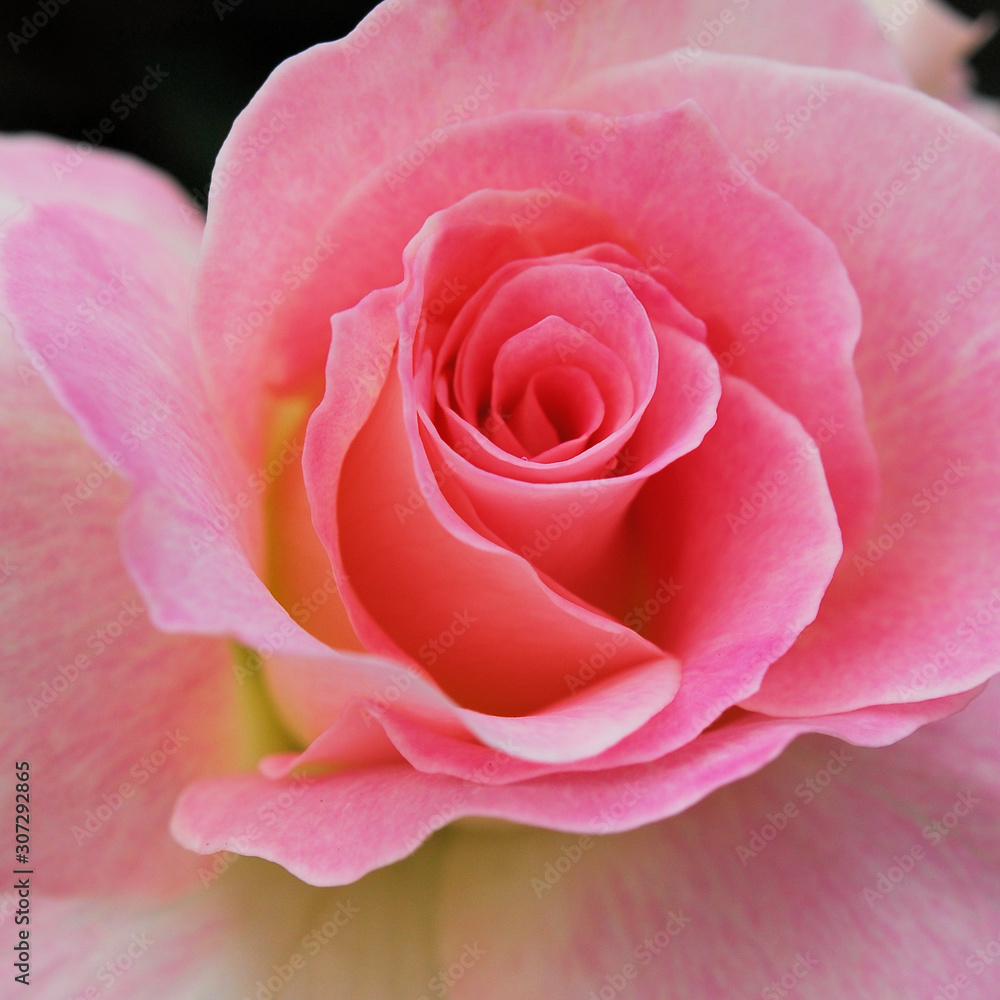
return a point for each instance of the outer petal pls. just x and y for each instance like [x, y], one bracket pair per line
[509, 913]
[97, 292]
[912, 611]
[313, 833]
[81, 657]
[822, 876]
[331, 115]
[252, 931]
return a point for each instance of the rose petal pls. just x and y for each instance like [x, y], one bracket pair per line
[333, 114]
[482, 622]
[759, 891]
[82, 652]
[313, 832]
[922, 620]
[100, 305]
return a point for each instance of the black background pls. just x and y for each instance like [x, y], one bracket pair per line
[65, 78]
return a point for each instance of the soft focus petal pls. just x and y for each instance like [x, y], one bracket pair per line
[99, 303]
[772, 887]
[113, 716]
[934, 41]
[251, 930]
[508, 913]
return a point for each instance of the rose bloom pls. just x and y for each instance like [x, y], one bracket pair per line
[563, 408]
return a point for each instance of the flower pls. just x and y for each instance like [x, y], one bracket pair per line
[551, 438]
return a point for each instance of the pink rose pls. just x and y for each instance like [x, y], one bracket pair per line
[656, 428]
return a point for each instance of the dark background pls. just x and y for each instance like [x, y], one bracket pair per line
[216, 53]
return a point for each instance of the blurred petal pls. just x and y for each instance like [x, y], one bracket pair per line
[779, 885]
[113, 716]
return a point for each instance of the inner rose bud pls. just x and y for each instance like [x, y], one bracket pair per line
[548, 359]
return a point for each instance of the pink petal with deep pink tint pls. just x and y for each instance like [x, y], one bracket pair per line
[481, 622]
[728, 593]
[922, 620]
[337, 112]
[555, 409]
[735, 262]
[314, 835]
[570, 530]
[526, 294]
